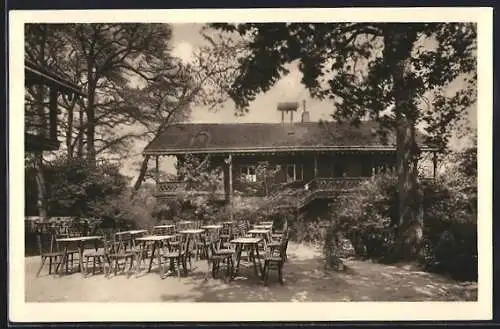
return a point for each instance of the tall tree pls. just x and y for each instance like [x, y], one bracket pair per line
[204, 82]
[103, 59]
[377, 70]
[110, 54]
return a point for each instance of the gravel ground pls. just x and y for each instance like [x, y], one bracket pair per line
[305, 280]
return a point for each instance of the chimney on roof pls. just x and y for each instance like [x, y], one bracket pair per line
[305, 113]
[288, 107]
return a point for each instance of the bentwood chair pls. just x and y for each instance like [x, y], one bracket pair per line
[175, 256]
[118, 256]
[97, 257]
[217, 256]
[274, 260]
[45, 242]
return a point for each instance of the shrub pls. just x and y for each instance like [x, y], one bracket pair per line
[77, 189]
[128, 211]
[306, 229]
[368, 217]
[450, 229]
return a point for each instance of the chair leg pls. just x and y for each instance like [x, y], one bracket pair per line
[266, 273]
[178, 261]
[41, 266]
[214, 268]
[190, 263]
[109, 267]
[231, 264]
[131, 263]
[50, 265]
[85, 269]
[228, 267]
[280, 273]
[184, 265]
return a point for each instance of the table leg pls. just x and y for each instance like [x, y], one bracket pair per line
[258, 258]
[159, 261]
[141, 254]
[80, 260]
[63, 258]
[253, 249]
[239, 248]
[188, 251]
[152, 256]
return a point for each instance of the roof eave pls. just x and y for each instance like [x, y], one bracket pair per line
[275, 150]
[34, 73]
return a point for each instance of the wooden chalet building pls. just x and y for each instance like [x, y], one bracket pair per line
[313, 156]
[40, 123]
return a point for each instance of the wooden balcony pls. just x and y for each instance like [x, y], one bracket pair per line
[326, 187]
[174, 188]
[335, 183]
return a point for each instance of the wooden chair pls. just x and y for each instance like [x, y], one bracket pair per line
[226, 234]
[175, 256]
[277, 240]
[275, 260]
[96, 257]
[217, 256]
[118, 256]
[175, 241]
[45, 242]
[72, 252]
[200, 244]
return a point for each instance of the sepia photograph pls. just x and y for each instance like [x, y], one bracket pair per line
[248, 160]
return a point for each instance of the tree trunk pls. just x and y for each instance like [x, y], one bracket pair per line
[410, 230]
[69, 128]
[40, 185]
[81, 133]
[399, 40]
[91, 154]
[142, 174]
[69, 134]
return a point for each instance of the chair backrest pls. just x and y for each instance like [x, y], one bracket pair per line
[45, 243]
[158, 231]
[125, 241]
[184, 243]
[211, 247]
[169, 230]
[110, 246]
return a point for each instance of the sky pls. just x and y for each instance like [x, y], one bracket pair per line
[187, 37]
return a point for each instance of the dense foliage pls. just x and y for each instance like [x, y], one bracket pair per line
[77, 189]
[368, 218]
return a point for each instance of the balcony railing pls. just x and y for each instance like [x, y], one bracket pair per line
[170, 188]
[317, 186]
[335, 184]
[173, 188]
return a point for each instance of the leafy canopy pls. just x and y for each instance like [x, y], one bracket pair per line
[349, 63]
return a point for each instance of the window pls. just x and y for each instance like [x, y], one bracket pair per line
[294, 172]
[366, 169]
[339, 170]
[248, 174]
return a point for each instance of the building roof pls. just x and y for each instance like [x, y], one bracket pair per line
[269, 137]
[35, 73]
